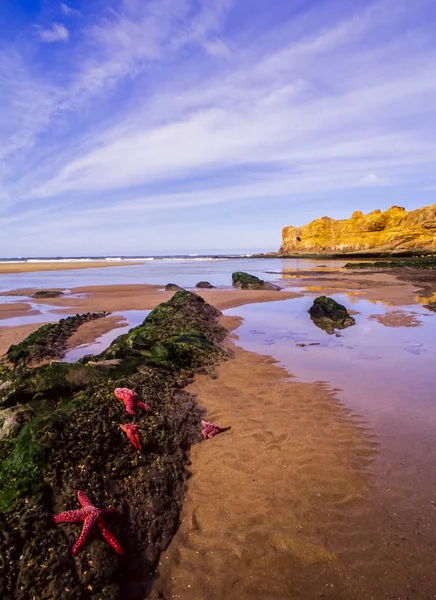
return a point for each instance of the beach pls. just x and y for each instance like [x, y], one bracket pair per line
[312, 492]
[57, 265]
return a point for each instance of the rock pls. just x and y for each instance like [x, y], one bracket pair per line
[12, 420]
[394, 230]
[104, 365]
[245, 281]
[431, 306]
[47, 294]
[49, 341]
[327, 314]
[172, 287]
[204, 285]
[70, 440]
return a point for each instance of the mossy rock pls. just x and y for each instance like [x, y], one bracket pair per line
[47, 294]
[173, 287]
[49, 341]
[245, 281]
[327, 314]
[204, 285]
[69, 439]
[423, 262]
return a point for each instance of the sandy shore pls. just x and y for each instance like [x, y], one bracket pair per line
[58, 266]
[267, 499]
[283, 505]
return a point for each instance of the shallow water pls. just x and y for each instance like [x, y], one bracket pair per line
[133, 318]
[368, 362]
[386, 374]
[182, 272]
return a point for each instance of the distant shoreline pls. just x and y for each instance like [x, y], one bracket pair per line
[30, 267]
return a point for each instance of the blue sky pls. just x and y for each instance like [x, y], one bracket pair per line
[156, 126]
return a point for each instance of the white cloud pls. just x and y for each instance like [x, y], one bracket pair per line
[371, 180]
[68, 11]
[324, 105]
[56, 33]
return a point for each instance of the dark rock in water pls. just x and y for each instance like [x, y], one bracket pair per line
[205, 285]
[68, 438]
[327, 314]
[431, 306]
[49, 341]
[47, 294]
[172, 287]
[245, 281]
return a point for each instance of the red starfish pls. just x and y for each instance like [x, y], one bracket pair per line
[132, 433]
[210, 429]
[130, 399]
[91, 516]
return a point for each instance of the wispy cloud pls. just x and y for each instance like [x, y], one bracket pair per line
[171, 106]
[68, 11]
[56, 33]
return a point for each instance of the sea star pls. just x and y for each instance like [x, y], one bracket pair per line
[210, 429]
[91, 516]
[132, 433]
[130, 399]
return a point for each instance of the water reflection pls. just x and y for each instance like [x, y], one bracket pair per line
[369, 362]
[133, 318]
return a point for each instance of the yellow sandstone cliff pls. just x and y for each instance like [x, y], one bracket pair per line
[394, 230]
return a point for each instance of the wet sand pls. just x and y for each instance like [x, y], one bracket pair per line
[269, 500]
[58, 266]
[16, 309]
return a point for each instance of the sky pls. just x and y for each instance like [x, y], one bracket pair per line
[177, 126]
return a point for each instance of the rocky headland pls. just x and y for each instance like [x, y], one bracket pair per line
[394, 231]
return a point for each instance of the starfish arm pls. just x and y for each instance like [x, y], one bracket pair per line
[110, 538]
[224, 428]
[144, 406]
[70, 516]
[84, 500]
[136, 442]
[129, 406]
[86, 530]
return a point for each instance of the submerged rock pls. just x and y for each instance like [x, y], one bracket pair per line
[70, 440]
[47, 294]
[327, 314]
[245, 281]
[204, 285]
[172, 287]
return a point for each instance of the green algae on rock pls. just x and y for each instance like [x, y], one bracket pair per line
[69, 438]
[245, 281]
[48, 294]
[49, 341]
[328, 315]
[422, 262]
[204, 285]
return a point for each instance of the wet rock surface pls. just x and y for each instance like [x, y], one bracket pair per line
[173, 287]
[63, 435]
[329, 315]
[49, 341]
[47, 294]
[245, 281]
[204, 285]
